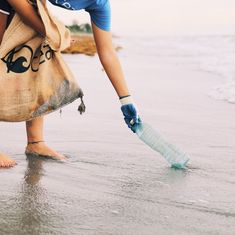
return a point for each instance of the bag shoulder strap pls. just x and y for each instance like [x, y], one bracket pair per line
[58, 36]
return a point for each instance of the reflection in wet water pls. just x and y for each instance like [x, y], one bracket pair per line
[104, 194]
[33, 199]
[34, 171]
[27, 210]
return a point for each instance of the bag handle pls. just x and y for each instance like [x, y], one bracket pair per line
[57, 35]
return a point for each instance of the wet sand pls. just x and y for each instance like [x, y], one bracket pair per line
[114, 184]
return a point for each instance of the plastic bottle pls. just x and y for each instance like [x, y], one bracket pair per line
[171, 153]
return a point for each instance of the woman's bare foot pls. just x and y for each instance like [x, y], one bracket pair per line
[6, 162]
[40, 149]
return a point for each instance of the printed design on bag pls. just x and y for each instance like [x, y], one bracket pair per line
[17, 63]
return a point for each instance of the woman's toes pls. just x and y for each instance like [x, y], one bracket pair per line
[6, 162]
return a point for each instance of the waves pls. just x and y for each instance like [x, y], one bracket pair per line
[212, 54]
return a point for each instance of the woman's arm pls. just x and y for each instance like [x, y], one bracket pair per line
[109, 60]
[3, 23]
[113, 69]
[28, 15]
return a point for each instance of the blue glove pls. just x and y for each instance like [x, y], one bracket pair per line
[130, 114]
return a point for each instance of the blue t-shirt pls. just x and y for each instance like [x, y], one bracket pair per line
[99, 10]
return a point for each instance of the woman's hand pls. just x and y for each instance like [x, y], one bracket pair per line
[130, 113]
[131, 116]
[28, 15]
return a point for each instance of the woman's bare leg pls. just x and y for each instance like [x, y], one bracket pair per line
[5, 161]
[36, 144]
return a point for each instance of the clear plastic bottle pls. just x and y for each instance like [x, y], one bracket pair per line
[171, 153]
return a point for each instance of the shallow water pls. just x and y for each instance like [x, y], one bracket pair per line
[100, 192]
[114, 184]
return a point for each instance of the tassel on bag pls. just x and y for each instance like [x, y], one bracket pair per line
[82, 107]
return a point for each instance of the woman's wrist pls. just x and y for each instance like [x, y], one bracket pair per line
[122, 97]
[126, 99]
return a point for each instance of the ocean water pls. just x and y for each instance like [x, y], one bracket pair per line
[211, 54]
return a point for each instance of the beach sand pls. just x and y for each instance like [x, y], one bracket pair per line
[113, 183]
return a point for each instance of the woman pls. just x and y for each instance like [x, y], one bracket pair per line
[99, 11]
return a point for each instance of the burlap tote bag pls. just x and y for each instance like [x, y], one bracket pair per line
[34, 79]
